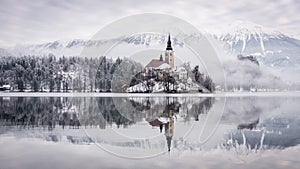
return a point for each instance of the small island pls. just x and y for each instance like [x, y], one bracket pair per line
[162, 76]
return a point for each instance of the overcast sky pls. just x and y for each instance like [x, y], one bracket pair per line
[36, 21]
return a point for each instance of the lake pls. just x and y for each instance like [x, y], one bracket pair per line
[149, 131]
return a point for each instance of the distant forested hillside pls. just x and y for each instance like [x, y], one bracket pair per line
[61, 74]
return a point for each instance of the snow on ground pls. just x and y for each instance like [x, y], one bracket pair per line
[159, 87]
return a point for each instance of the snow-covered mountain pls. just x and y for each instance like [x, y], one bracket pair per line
[75, 46]
[272, 48]
[58, 48]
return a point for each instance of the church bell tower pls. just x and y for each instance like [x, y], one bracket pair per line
[169, 53]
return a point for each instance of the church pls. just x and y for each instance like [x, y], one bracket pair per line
[163, 63]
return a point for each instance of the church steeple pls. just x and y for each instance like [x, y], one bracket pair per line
[169, 44]
[169, 53]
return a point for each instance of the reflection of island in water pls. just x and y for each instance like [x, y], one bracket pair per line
[168, 112]
[55, 113]
[47, 117]
[250, 126]
[32, 112]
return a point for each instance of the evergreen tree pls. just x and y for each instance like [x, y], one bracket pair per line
[208, 83]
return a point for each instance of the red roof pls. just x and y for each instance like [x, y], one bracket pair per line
[155, 63]
[155, 122]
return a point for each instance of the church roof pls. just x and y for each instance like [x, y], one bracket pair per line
[169, 44]
[155, 122]
[155, 63]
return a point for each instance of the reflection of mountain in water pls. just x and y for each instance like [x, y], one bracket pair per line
[278, 127]
[271, 133]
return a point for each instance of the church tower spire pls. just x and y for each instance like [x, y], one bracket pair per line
[169, 44]
[169, 53]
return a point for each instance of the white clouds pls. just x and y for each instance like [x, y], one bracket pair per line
[39, 21]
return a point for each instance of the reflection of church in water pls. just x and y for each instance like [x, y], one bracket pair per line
[169, 128]
[166, 120]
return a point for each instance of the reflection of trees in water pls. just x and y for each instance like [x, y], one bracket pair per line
[38, 112]
[201, 107]
[110, 113]
[141, 106]
[188, 108]
[49, 112]
[61, 111]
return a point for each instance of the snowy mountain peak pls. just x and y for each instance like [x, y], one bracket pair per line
[152, 38]
[245, 33]
[245, 30]
[249, 28]
[74, 47]
[270, 47]
[246, 27]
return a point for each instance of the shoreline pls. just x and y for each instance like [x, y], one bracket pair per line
[217, 94]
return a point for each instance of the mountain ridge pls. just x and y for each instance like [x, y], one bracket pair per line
[272, 48]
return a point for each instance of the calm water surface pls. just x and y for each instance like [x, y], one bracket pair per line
[147, 132]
